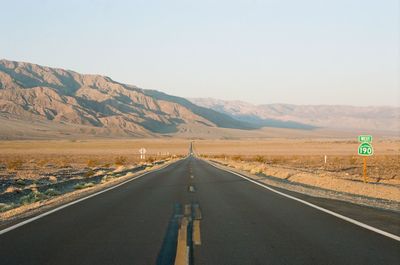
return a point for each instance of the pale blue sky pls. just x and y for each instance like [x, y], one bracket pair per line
[301, 52]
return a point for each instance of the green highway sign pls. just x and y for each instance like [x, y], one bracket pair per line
[365, 138]
[365, 149]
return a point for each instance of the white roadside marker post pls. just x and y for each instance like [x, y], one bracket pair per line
[142, 152]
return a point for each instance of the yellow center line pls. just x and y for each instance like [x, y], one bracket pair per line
[182, 254]
[183, 249]
[196, 233]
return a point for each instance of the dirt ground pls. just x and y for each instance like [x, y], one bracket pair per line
[309, 156]
[29, 159]
[303, 161]
[290, 147]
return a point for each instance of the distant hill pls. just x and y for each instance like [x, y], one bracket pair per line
[94, 104]
[303, 116]
[43, 102]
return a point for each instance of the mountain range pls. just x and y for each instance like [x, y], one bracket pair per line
[375, 118]
[43, 102]
[38, 95]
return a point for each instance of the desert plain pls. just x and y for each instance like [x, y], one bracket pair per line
[309, 154]
[33, 171]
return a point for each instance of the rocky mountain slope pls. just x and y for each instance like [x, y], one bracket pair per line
[327, 116]
[93, 104]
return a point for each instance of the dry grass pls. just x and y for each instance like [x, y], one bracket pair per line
[309, 156]
[120, 160]
[292, 147]
[335, 181]
[96, 147]
[53, 179]
[30, 159]
[12, 189]
[302, 161]
[15, 164]
[92, 163]
[380, 168]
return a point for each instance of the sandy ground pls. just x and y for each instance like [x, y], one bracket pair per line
[30, 159]
[94, 147]
[387, 190]
[309, 156]
[303, 161]
[289, 147]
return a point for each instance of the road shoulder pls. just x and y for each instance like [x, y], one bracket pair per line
[382, 218]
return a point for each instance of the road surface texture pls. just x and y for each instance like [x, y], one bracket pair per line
[193, 213]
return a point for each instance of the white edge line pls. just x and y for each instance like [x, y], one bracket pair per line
[8, 229]
[348, 219]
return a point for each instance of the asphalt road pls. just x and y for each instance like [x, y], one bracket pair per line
[193, 212]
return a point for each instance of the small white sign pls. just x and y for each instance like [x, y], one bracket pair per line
[142, 152]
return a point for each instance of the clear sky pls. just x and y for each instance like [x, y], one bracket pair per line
[286, 51]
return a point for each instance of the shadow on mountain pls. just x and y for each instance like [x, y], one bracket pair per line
[94, 107]
[256, 121]
[68, 84]
[219, 119]
[161, 127]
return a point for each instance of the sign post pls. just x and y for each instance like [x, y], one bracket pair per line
[365, 169]
[142, 152]
[365, 149]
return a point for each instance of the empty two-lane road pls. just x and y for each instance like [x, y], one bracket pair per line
[191, 212]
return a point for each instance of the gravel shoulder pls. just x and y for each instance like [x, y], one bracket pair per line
[377, 195]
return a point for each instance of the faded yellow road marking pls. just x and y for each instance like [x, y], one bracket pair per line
[197, 212]
[196, 232]
[188, 210]
[182, 253]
